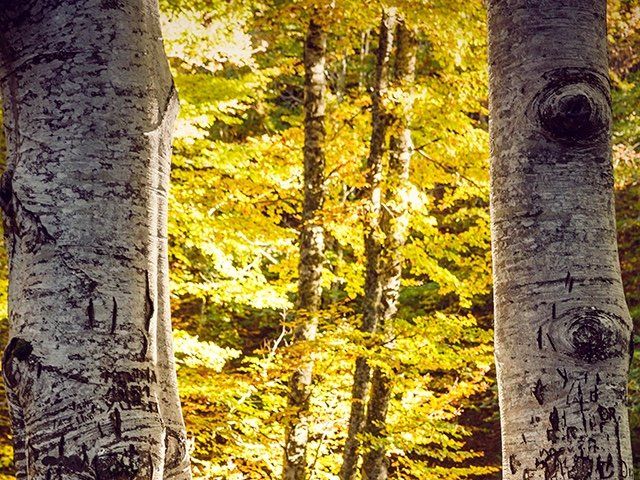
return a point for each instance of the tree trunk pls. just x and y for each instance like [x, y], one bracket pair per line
[372, 241]
[562, 328]
[393, 225]
[311, 249]
[89, 104]
[364, 51]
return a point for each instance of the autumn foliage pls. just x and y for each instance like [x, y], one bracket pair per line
[235, 208]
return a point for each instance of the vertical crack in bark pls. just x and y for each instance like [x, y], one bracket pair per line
[6, 194]
[91, 315]
[144, 347]
[116, 418]
[148, 303]
[114, 316]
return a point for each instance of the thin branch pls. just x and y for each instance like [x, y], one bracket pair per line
[449, 169]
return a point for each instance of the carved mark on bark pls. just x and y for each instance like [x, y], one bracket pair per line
[145, 346]
[148, 303]
[605, 468]
[65, 464]
[175, 450]
[553, 345]
[554, 422]
[85, 454]
[550, 461]
[574, 105]
[6, 194]
[114, 315]
[540, 338]
[129, 389]
[116, 421]
[538, 391]
[18, 349]
[564, 376]
[24, 221]
[91, 315]
[514, 463]
[127, 465]
[582, 468]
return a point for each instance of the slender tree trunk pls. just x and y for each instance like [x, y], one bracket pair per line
[373, 287]
[89, 105]
[341, 82]
[562, 328]
[393, 225]
[364, 51]
[311, 248]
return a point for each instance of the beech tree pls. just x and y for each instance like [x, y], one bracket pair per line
[88, 106]
[311, 247]
[393, 226]
[372, 241]
[562, 328]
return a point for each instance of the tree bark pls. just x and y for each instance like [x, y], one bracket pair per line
[393, 225]
[89, 105]
[311, 249]
[372, 241]
[562, 328]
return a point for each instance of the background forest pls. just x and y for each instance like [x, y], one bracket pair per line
[236, 205]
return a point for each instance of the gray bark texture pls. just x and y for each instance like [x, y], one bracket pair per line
[393, 226]
[562, 328]
[311, 249]
[373, 243]
[89, 105]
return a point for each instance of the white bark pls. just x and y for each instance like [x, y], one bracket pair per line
[394, 220]
[89, 105]
[311, 248]
[373, 244]
[562, 327]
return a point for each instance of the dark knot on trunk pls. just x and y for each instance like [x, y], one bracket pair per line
[569, 114]
[573, 106]
[594, 336]
[17, 349]
[573, 112]
[588, 334]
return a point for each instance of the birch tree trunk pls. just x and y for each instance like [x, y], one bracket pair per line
[562, 328]
[372, 242]
[393, 226]
[88, 108]
[311, 248]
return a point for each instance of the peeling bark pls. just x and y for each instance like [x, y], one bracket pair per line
[311, 249]
[372, 241]
[393, 226]
[89, 106]
[562, 328]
